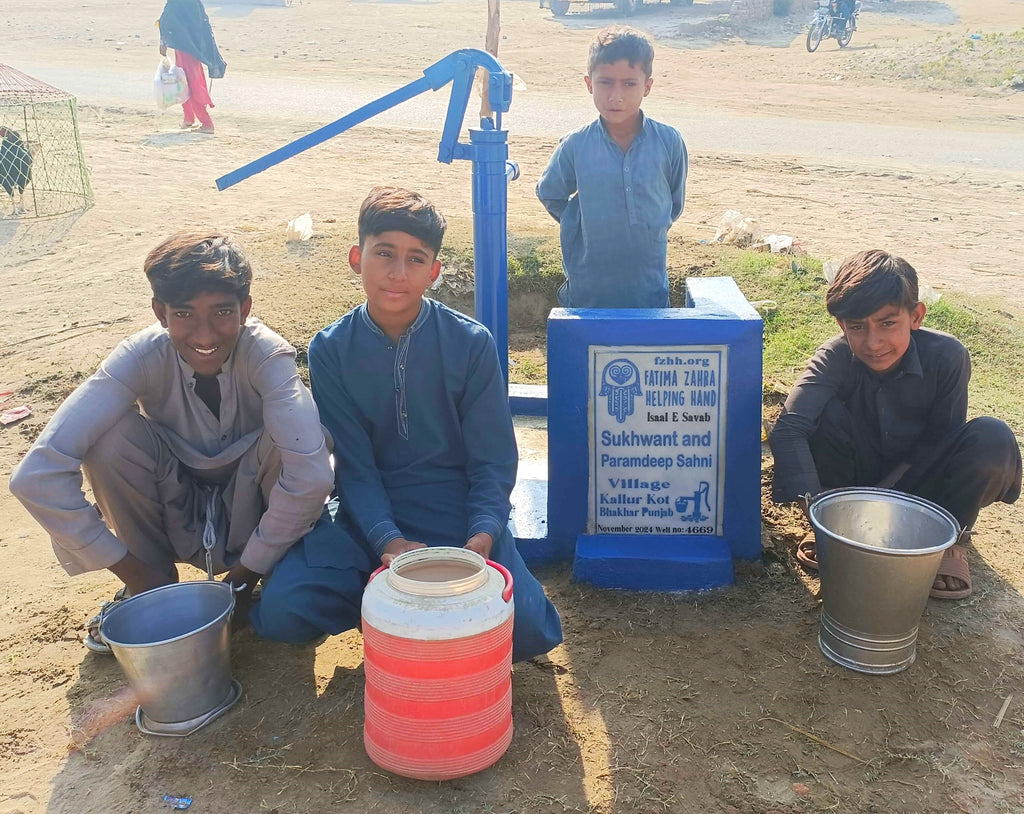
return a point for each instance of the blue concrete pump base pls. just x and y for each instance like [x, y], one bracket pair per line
[658, 563]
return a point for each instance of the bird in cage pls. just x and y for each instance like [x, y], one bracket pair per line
[15, 167]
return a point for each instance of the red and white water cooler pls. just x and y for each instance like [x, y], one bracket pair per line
[437, 651]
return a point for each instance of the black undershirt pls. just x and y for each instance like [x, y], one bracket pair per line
[208, 389]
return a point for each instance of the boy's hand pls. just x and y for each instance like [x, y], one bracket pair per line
[138, 576]
[239, 575]
[398, 546]
[245, 578]
[481, 543]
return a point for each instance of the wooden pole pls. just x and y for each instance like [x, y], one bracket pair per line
[491, 46]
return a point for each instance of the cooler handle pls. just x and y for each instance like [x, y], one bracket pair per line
[506, 595]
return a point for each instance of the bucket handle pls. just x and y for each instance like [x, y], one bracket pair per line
[506, 595]
[382, 568]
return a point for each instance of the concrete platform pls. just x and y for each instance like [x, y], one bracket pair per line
[529, 521]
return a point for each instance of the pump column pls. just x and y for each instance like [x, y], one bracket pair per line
[489, 154]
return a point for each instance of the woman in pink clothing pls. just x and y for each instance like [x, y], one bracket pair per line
[185, 27]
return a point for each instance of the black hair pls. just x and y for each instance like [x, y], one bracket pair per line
[391, 209]
[871, 280]
[620, 42]
[194, 262]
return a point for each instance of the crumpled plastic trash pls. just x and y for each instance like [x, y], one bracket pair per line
[299, 229]
[15, 414]
[735, 229]
[179, 803]
[778, 243]
[765, 306]
[829, 269]
[928, 295]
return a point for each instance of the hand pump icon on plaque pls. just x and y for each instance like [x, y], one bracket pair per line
[682, 503]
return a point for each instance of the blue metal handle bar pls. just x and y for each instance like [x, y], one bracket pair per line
[458, 67]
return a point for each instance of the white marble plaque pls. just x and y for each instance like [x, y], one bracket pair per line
[657, 439]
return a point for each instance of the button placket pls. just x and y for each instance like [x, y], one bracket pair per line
[400, 400]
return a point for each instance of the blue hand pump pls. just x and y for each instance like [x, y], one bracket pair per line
[487, 149]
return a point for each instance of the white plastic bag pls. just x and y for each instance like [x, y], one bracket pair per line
[778, 243]
[829, 269]
[735, 229]
[299, 229]
[169, 85]
[928, 295]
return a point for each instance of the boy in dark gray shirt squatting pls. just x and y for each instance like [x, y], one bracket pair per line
[885, 404]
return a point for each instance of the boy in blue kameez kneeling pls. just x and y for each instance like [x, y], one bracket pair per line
[425, 450]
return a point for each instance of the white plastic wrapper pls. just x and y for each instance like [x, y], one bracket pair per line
[736, 229]
[829, 269]
[928, 295]
[299, 229]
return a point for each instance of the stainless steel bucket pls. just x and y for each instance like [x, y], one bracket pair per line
[878, 553]
[173, 644]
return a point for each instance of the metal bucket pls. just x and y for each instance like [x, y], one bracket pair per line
[878, 553]
[173, 644]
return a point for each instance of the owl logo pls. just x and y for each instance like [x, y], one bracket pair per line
[620, 382]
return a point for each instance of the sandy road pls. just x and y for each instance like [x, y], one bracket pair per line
[534, 113]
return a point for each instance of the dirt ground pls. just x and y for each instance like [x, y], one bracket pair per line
[682, 703]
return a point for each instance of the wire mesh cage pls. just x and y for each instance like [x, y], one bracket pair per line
[44, 182]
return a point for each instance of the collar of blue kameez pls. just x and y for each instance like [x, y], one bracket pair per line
[640, 133]
[426, 309]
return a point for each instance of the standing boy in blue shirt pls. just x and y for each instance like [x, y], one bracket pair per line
[615, 186]
[425, 450]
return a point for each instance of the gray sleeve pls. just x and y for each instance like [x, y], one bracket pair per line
[48, 481]
[306, 479]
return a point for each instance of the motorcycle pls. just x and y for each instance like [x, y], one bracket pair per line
[827, 22]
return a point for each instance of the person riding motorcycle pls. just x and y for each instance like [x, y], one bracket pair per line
[844, 9]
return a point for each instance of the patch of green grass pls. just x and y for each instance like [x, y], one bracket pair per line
[527, 367]
[995, 340]
[991, 60]
[975, 60]
[534, 262]
[798, 322]
[534, 266]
